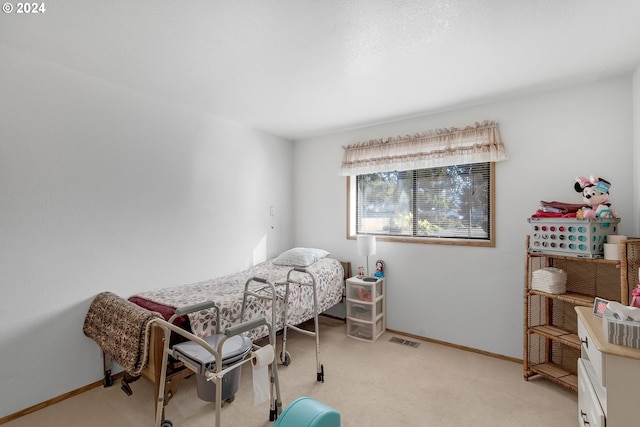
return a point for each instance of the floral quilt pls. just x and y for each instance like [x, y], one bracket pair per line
[228, 291]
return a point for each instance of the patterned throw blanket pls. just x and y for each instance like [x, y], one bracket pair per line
[121, 329]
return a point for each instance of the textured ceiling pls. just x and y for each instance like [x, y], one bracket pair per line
[300, 68]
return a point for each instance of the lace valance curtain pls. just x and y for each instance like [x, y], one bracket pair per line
[430, 149]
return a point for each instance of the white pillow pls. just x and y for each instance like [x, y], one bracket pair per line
[300, 257]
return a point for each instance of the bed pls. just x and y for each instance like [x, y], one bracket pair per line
[227, 292]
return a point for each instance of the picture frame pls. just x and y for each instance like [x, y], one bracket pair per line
[599, 306]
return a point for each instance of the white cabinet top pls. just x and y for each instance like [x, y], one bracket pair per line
[594, 327]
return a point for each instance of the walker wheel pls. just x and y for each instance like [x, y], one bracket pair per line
[285, 358]
[166, 423]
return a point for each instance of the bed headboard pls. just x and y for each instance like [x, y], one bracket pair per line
[346, 266]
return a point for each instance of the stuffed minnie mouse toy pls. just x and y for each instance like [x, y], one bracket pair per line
[595, 193]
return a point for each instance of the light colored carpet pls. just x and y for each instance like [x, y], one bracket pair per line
[371, 384]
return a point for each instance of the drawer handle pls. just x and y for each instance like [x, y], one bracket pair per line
[584, 418]
[585, 341]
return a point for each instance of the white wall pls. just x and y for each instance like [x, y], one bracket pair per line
[102, 189]
[467, 295]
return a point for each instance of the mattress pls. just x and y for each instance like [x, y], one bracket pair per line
[227, 292]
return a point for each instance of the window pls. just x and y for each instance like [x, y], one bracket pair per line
[447, 204]
[433, 187]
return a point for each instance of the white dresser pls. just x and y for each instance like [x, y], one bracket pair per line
[608, 377]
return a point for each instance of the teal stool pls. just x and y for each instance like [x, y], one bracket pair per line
[306, 412]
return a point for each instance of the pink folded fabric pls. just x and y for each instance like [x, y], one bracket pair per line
[564, 207]
[542, 214]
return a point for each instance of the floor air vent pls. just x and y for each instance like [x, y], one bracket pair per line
[404, 342]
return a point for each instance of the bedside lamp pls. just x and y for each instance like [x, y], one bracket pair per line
[366, 247]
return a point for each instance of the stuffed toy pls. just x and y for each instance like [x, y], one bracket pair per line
[379, 268]
[595, 193]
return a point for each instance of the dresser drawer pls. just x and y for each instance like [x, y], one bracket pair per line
[601, 392]
[590, 413]
[359, 290]
[363, 311]
[590, 352]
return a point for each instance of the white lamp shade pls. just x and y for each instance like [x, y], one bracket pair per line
[366, 245]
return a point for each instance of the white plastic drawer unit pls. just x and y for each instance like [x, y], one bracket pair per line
[590, 352]
[365, 309]
[590, 413]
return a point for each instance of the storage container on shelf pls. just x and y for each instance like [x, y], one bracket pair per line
[579, 237]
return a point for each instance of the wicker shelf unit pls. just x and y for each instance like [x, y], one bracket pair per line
[551, 342]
